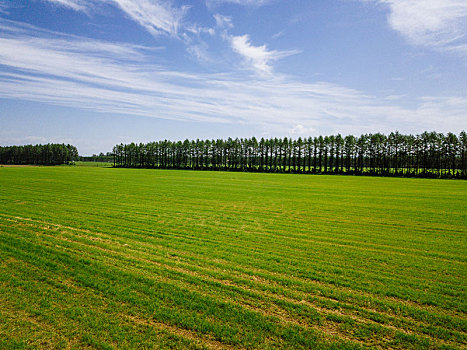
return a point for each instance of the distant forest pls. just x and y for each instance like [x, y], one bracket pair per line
[101, 157]
[50, 154]
[429, 154]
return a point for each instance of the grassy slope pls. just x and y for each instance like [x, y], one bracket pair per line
[145, 258]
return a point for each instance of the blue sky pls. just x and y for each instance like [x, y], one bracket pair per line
[95, 73]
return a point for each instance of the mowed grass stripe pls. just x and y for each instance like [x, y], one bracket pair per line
[231, 237]
[380, 274]
[74, 326]
[196, 258]
[138, 253]
[143, 290]
[340, 318]
[443, 321]
[290, 233]
[378, 331]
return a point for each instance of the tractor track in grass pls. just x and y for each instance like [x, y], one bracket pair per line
[15, 313]
[390, 276]
[249, 269]
[210, 260]
[202, 341]
[226, 265]
[132, 254]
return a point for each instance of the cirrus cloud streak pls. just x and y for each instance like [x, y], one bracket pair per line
[119, 78]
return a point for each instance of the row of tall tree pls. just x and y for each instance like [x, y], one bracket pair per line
[49, 154]
[429, 154]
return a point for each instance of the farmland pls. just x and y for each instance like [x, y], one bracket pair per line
[137, 258]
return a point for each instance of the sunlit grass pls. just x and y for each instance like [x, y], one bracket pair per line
[93, 164]
[125, 258]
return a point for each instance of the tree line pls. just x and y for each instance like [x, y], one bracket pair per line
[101, 157]
[49, 154]
[429, 154]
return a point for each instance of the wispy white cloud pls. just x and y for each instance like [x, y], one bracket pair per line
[156, 16]
[199, 50]
[278, 34]
[254, 3]
[114, 78]
[4, 7]
[301, 131]
[223, 21]
[440, 24]
[258, 58]
[162, 17]
[77, 5]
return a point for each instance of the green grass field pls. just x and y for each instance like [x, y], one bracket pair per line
[93, 164]
[130, 258]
